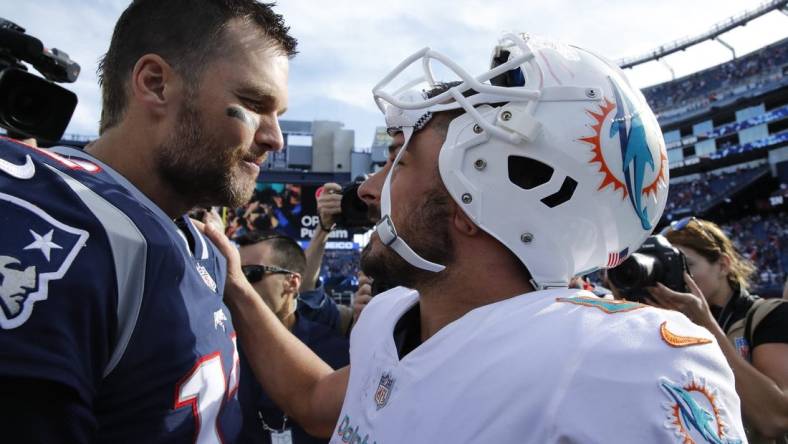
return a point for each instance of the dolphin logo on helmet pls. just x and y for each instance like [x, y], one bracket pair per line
[634, 151]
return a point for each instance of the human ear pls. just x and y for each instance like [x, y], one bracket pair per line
[725, 264]
[151, 83]
[293, 283]
[463, 223]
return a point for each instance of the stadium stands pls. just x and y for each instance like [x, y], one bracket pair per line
[700, 89]
[764, 240]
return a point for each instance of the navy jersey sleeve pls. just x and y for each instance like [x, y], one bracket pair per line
[57, 299]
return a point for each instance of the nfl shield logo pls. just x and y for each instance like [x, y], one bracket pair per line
[384, 390]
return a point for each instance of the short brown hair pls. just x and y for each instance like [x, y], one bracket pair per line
[708, 239]
[286, 251]
[186, 33]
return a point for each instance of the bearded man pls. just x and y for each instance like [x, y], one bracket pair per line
[119, 334]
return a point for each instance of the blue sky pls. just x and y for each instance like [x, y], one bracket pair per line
[346, 46]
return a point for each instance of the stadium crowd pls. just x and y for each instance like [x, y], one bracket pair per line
[763, 239]
[710, 84]
[693, 195]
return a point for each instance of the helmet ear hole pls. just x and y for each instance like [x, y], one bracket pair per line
[563, 195]
[528, 173]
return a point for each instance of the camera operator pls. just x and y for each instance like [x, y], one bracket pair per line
[313, 294]
[751, 331]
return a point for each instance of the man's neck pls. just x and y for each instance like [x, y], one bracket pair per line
[459, 293]
[131, 157]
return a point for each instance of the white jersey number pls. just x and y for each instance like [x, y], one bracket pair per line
[204, 390]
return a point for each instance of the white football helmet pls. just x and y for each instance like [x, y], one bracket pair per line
[557, 156]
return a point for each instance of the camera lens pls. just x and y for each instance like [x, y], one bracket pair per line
[639, 270]
[23, 108]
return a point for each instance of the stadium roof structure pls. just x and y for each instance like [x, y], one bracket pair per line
[712, 34]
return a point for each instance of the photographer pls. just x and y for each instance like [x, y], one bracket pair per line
[751, 331]
[313, 294]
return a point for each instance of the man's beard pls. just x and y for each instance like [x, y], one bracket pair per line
[426, 230]
[200, 168]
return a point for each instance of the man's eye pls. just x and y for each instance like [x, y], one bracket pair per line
[254, 106]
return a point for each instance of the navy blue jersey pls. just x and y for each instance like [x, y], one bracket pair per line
[259, 409]
[105, 298]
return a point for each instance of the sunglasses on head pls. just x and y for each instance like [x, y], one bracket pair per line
[254, 273]
[680, 225]
[683, 223]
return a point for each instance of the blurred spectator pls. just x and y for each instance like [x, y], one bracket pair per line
[274, 264]
[763, 239]
[328, 211]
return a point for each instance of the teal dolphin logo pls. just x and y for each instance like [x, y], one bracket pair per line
[693, 416]
[635, 151]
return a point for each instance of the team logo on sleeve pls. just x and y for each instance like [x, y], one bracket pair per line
[606, 305]
[35, 249]
[383, 393]
[695, 412]
[676, 340]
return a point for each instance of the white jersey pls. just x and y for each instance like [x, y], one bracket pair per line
[554, 366]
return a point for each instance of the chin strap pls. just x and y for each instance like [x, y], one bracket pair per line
[385, 227]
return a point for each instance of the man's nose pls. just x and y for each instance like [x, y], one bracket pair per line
[369, 190]
[269, 134]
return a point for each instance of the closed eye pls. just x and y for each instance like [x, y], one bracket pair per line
[253, 105]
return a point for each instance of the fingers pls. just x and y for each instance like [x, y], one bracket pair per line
[213, 218]
[693, 287]
[330, 206]
[362, 299]
[658, 299]
[359, 303]
[364, 279]
[332, 187]
[221, 241]
[364, 289]
[200, 225]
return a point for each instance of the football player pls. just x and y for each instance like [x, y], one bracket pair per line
[112, 325]
[499, 188]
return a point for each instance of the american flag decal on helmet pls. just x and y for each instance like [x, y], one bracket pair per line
[614, 259]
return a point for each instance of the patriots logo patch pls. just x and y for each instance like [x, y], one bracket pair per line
[32, 254]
